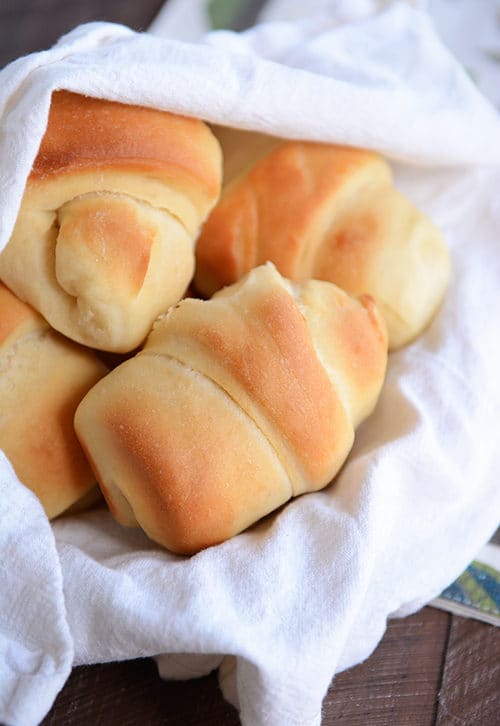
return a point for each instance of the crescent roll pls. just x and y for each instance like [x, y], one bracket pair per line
[329, 213]
[43, 377]
[235, 405]
[105, 234]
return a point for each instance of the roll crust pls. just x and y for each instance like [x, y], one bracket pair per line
[330, 213]
[104, 238]
[93, 133]
[232, 407]
[43, 378]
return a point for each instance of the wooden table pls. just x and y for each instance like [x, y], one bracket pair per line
[430, 668]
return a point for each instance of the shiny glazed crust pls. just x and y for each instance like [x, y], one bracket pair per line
[104, 238]
[329, 213]
[234, 405]
[43, 377]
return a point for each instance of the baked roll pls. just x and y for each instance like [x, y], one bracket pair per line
[324, 212]
[43, 377]
[234, 406]
[104, 237]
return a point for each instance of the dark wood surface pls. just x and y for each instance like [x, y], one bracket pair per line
[430, 668]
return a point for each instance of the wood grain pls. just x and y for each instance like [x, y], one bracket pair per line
[470, 689]
[398, 684]
[31, 25]
[131, 693]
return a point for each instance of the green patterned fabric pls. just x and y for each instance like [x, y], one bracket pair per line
[478, 587]
[476, 593]
[223, 13]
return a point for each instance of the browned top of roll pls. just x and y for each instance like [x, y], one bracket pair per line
[268, 345]
[91, 132]
[258, 348]
[279, 210]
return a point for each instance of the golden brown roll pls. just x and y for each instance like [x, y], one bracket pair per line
[104, 238]
[234, 405]
[43, 377]
[324, 212]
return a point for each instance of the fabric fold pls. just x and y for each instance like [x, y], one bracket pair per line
[36, 648]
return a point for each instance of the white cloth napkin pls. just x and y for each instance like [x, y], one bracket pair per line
[305, 594]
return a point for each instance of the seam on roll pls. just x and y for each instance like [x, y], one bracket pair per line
[10, 350]
[122, 195]
[295, 290]
[186, 365]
